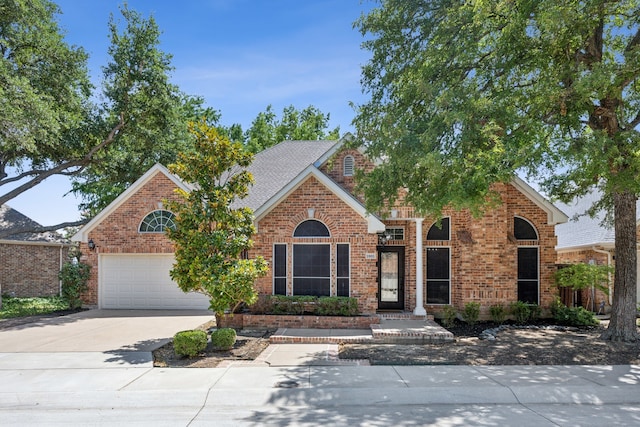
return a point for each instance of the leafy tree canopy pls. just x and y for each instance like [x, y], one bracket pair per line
[211, 234]
[464, 94]
[309, 124]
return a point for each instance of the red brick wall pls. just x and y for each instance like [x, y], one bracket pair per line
[29, 270]
[118, 233]
[345, 226]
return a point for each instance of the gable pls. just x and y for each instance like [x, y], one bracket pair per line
[143, 196]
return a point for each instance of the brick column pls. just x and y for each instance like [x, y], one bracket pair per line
[419, 310]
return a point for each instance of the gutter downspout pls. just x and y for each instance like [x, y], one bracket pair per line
[609, 263]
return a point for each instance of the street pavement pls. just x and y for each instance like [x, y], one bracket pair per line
[117, 386]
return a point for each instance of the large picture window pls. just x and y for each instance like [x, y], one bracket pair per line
[312, 270]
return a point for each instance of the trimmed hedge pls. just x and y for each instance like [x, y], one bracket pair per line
[305, 304]
[190, 343]
[223, 338]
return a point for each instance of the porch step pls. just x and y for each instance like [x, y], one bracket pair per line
[401, 315]
[409, 331]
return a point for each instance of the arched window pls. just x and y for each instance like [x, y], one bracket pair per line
[157, 222]
[439, 264]
[523, 229]
[439, 232]
[311, 228]
[348, 166]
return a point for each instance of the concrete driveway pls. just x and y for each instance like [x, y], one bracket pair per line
[101, 331]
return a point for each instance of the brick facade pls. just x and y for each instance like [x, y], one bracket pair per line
[484, 252]
[118, 233]
[31, 269]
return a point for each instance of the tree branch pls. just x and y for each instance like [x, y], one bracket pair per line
[41, 228]
[61, 168]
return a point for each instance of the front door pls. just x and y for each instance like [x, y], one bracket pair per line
[391, 277]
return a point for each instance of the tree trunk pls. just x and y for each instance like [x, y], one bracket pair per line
[623, 311]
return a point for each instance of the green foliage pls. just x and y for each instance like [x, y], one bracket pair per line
[574, 316]
[190, 343]
[449, 314]
[337, 306]
[309, 124]
[521, 312]
[211, 234]
[20, 307]
[74, 277]
[306, 304]
[471, 312]
[464, 95]
[498, 313]
[223, 338]
[583, 276]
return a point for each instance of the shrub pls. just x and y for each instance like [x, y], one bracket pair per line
[189, 343]
[223, 338]
[521, 312]
[448, 316]
[296, 304]
[535, 312]
[337, 306]
[471, 312]
[498, 313]
[574, 316]
[263, 305]
[74, 277]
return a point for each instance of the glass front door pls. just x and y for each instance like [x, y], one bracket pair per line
[391, 278]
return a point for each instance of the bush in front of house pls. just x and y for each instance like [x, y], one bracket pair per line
[498, 313]
[572, 316]
[471, 312]
[306, 304]
[190, 343]
[521, 312]
[74, 276]
[336, 306]
[223, 338]
[449, 314]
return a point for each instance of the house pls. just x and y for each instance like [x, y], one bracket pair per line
[586, 239]
[319, 239]
[29, 262]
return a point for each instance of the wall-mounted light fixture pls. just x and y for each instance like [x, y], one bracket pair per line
[91, 244]
[383, 238]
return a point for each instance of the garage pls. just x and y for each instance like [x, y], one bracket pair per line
[142, 281]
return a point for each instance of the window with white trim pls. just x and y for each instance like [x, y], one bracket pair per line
[157, 222]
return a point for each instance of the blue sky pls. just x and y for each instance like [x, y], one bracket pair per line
[239, 55]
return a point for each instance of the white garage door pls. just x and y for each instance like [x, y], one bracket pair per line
[143, 281]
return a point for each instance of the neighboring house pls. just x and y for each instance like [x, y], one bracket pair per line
[320, 240]
[29, 262]
[587, 240]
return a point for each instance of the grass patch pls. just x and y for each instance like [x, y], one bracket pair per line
[20, 307]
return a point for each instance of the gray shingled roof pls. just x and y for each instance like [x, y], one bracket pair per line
[584, 230]
[12, 219]
[277, 166]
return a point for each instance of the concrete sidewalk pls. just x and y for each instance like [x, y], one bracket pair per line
[321, 395]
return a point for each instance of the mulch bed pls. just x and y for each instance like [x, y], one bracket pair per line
[541, 345]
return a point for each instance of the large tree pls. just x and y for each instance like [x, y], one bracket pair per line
[309, 124]
[48, 127]
[464, 94]
[212, 233]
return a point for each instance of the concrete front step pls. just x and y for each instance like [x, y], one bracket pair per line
[389, 331]
[410, 332]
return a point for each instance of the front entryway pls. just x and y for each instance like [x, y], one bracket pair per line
[391, 278]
